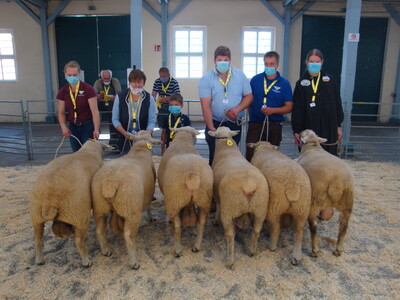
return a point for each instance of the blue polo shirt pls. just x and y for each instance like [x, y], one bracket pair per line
[280, 93]
[210, 86]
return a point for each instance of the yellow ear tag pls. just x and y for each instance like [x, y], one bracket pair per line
[258, 147]
[229, 142]
[92, 140]
[276, 148]
[149, 146]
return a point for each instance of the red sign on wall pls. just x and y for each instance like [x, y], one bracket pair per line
[157, 48]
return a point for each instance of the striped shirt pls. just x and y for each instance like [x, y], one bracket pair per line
[173, 88]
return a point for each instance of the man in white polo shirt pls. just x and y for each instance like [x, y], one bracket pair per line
[225, 93]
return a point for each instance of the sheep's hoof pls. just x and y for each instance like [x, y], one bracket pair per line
[87, 264]
[230, 266]
[135, 266]
[273, 249]
[177, 255]
[40, 263]
[337, 252]
[195, 249]
[314, 254]
[295, 261]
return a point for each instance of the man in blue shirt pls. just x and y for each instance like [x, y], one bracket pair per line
[224, 94]
[272, 99]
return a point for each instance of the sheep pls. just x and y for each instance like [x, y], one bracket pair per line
[185, 179]
[289, 192]
[61, 193]
[124, 186]
[332, 185]
[239, 188]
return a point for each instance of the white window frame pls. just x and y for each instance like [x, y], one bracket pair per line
[9, 56]
[258, 55]
[189, 54]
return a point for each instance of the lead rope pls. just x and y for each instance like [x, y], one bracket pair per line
[238, 122]
[262, 131]
[55, 155]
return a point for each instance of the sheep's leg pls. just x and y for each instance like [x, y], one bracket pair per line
[148, 213]
[177, 235]
[38, 231]
[80, 236]
[200, 228]
[101, 233]
[275, 224]
[257, 226]
[344, 222]
[314, 239]
[131, 228]
[229, 228]
[217, 220]
[298, 229]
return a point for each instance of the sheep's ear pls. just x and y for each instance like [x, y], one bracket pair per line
[322, 140]
[212, 133]
[303, 139]
[251, 145]
[197, 132]
[234, 132]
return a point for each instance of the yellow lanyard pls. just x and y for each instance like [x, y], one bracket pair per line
[172, 134]
[266, 89]
[226, 82]
[73, 99]
[106, 89]
[164, 89]
[315, 87]
[133, 109]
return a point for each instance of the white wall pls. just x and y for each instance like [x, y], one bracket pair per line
[223, 18]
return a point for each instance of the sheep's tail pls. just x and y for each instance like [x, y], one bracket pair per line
[192, 181]
[249, 187]
[49, 212]
[109, 189]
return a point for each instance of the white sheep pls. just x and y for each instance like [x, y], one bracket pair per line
[289, 192]
[61, 193]
[185, 179]
[239, 188]
[124, 186]
[332, 185]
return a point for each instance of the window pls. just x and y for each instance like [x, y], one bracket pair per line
[189, 52]
[7, 56]
[256, 42]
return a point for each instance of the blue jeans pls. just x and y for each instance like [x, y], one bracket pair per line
[211, 140]
[83, 132]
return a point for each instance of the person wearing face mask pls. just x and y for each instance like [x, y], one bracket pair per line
[133, 110]
[224, 93]
[272, 98]
[317, 104]
[163, 88]
[175, 119]
[79, 100]
[106, 88]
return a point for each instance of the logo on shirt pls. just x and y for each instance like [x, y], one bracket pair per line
[305, 82]
[277, 89]
[326, 78]
[81, 93]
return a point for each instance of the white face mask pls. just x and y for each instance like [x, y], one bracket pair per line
[136, 91]
[107, 83]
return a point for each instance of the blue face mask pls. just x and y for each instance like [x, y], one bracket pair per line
[174, 109]
[72, 79]
[269, 71]
[223, 66]
[164, 79]
[314, 67]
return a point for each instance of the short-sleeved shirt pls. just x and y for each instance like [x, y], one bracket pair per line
[184, 121]
[173, 88]
[279, 93]
[85, 92]
[237, 87]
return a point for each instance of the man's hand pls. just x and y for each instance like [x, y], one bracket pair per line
[297, 139]
[65, 131]
[339, 133]
[267, 111]
[233, 113]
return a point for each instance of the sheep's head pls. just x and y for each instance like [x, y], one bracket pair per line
[223, 132]
[263, 145]
[144, 135]
[187, 129]
[308, 137]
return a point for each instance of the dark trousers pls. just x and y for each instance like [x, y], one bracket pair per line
[254, 133]
[82, 131]
[211, 140]
[161, 117]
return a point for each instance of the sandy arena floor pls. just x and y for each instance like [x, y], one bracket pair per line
[368, 269]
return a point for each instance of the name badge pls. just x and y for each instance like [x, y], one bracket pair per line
[106, 104]
[225, 101]
[133, 132]
[312, 104]
[305, 82]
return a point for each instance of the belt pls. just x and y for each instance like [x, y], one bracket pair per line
[80, 124]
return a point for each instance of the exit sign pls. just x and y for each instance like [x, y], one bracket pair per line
[157, 48]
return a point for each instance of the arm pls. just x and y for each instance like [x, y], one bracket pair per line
[117, 85]
[163, 140]
[285, 109]
[96, 116]
[297, 113]
[151, 123]
[115, 119]
[245, 103]
[62, 120]
[207, 113]
[339, 111]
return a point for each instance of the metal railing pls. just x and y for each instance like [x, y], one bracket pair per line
[372, 136]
